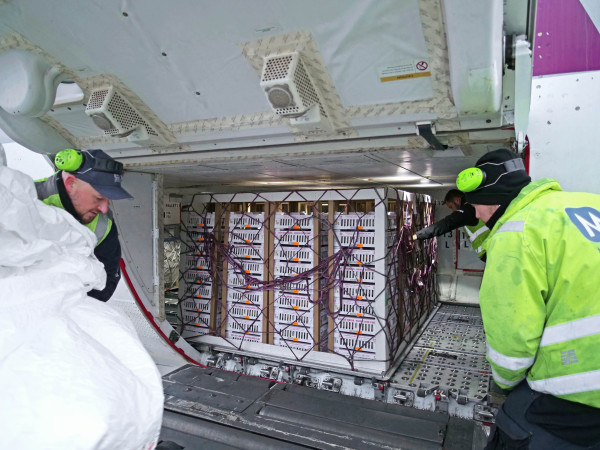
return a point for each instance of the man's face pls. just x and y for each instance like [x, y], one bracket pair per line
[87, 201]
[484, 212]
[454, 204]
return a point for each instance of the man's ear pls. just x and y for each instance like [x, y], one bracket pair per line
[69, 181]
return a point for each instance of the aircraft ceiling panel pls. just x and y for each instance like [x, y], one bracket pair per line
[192, 66]
[188, 63]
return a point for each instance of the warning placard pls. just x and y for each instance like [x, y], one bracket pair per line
[404, 70]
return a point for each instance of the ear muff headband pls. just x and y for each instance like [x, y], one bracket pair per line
[474, 178]
[71, 160]
[68, 160]
[470, 179]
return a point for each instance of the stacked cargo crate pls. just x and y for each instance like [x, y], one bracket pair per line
[196, 288]
[355, 323]
[392, 293]
[323, 285]
[296, 311]
[245, 306]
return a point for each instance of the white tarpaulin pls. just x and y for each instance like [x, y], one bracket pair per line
[73, 373]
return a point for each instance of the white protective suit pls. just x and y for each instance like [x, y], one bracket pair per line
[73, 373]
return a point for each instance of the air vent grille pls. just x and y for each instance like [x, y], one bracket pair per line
[277, 68]
[289, 86]
[97, 98]
[126, 115]
[305, 88]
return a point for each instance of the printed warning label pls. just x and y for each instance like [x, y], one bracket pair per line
[404, 70]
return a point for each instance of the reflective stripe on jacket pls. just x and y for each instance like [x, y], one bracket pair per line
[540, 295]
[47, 192]
[477, 235]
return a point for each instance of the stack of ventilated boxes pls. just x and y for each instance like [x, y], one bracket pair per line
[392, 293]
[355, 323]
[245, 306]
[297, 315]
[197, 285]
[343, 312]
[366, 297]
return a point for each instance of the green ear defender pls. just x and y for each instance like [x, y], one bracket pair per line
[68, 160]
[470, 179]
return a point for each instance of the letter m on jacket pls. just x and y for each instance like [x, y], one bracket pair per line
[587, 221]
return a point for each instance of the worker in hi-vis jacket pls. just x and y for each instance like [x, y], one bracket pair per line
[540, 303]
[83, 185]
[463, 215]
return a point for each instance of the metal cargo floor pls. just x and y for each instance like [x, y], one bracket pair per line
[209, 408]
[444, 371]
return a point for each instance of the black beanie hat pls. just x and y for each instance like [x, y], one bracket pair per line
[500, 187]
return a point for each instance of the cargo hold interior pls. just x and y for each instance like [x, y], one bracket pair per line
[280, 158]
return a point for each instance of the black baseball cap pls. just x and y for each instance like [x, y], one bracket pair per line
[103, 173]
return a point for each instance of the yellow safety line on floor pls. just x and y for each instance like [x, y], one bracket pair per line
[419, 366]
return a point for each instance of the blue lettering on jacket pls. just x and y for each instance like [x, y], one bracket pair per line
[587, 221]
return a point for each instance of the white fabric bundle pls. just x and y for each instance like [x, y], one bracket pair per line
[73, 373]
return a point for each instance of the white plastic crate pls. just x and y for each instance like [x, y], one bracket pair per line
[355, 308]
[199, 291]
[196, 305]
[294, 221]
[195, 319]
[356, 291]
[294, 345]
[248, 252]
[359, 257]
[356, 346]
[241, 336]
[292, 301]
[249, 330]
[357, 274]
[295, 239]
[294, 334]
[356, 325]
[350, 239]
[196, 236]
[285, 269]
[238, 281]
[295, 254]
[197, 277]
[302, 288]
[354, 221]
[198, 263]
[246, 221]
[290, 317]
[254, 268]
[195, 220]
[244, 296]
[198, 250]
[242, 311]
[247, 237]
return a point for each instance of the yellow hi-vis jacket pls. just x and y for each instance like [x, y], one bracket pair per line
[48, 193]
[477, 235]
[540, 295]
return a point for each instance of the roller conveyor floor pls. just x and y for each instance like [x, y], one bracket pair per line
[441, 385]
